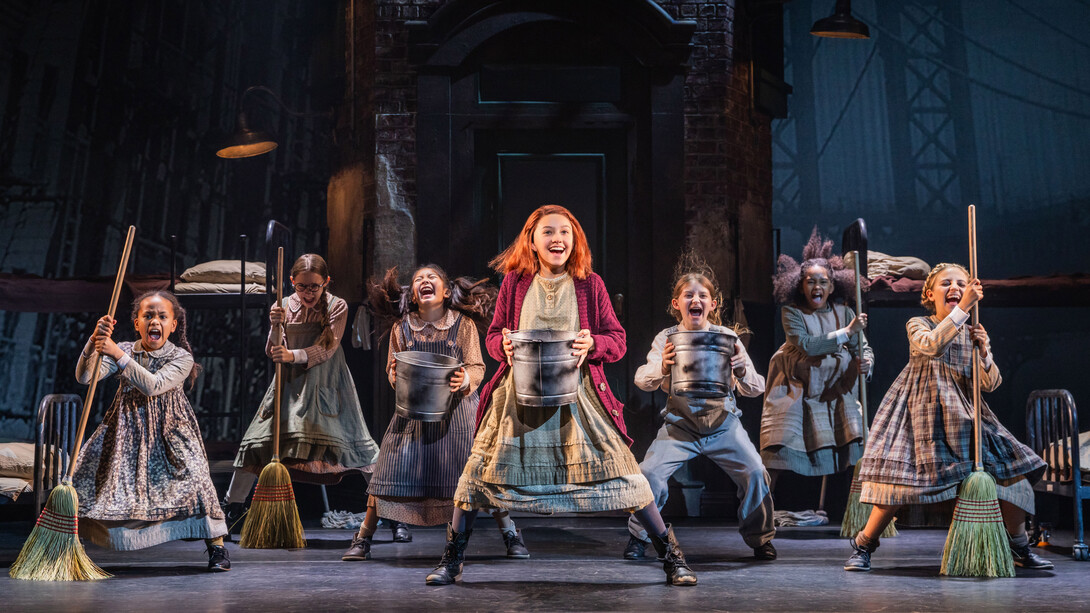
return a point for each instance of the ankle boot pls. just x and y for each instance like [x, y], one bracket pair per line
[360, 549]
[677, 569]
[450, 567]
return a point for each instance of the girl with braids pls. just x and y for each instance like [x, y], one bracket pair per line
[812, 420]
[322, 433]
[921, 444]
[419, 462]
[142, 478]
[708, 427]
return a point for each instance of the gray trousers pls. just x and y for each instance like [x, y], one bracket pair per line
[730, 448]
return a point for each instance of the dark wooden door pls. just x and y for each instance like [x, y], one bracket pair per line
[585, 171]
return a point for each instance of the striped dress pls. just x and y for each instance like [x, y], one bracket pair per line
[921, 444]
[419, 462]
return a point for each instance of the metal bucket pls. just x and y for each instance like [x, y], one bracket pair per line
[701, 367]
[545, 371]
[423, 385]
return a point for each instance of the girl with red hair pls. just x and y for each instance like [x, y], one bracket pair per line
[556, 459]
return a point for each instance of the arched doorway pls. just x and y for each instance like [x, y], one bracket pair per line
[527, 103]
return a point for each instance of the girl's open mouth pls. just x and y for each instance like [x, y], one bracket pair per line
[557, 249]
[426, 292]
[154, 334]
[695, 311]
[953, 298]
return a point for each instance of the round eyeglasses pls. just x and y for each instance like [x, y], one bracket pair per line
[309, 287]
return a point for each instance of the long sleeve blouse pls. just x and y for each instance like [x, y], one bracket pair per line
[701, 415]
[130, 368]
[828, 341]
[929, 342]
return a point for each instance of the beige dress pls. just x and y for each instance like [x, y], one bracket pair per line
[559, 459]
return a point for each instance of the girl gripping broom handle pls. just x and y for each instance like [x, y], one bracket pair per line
[118, 282]
[973, 273]
[859, 336]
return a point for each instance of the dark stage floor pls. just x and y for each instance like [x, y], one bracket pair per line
[575, 565]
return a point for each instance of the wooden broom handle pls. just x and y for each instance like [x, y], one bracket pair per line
[278, 378]
[978, 464]
[859, 340]
[119, 281]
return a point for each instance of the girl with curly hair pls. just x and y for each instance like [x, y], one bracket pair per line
[812, 420]
[419, 462]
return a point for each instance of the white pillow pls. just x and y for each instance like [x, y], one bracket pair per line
[12, 487]
[17, 460]
[216, 288]
[224, 271]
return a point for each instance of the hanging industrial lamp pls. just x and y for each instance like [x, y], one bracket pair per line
[841, 24]
[245, 143]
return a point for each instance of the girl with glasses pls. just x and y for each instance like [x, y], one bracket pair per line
[322, 432]
[812, 419]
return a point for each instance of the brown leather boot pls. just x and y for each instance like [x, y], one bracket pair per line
[677, 569]
[360, 549]
[449, 569]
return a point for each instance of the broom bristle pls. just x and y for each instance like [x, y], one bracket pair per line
[273, 520]
[976, 545]
[857, 513]
[53, 551]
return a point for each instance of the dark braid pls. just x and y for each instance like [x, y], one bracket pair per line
[388, 301]
[474, 299]
[326, 339]
[312, 262]
[182, 338]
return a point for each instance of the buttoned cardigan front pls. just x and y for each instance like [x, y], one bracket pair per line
[595, 314]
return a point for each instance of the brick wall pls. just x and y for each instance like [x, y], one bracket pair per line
[728, 173]
[728, 151]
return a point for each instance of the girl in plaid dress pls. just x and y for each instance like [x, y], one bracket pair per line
[920, 446]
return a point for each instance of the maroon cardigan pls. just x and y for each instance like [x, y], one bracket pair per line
[595, 314]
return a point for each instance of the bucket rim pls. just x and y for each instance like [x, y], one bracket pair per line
[566, 336]
[729, 333]
[414, 358]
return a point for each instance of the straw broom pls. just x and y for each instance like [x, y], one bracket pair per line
[977, 543]
[53, 551]
[857, 513]
[273, 519]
